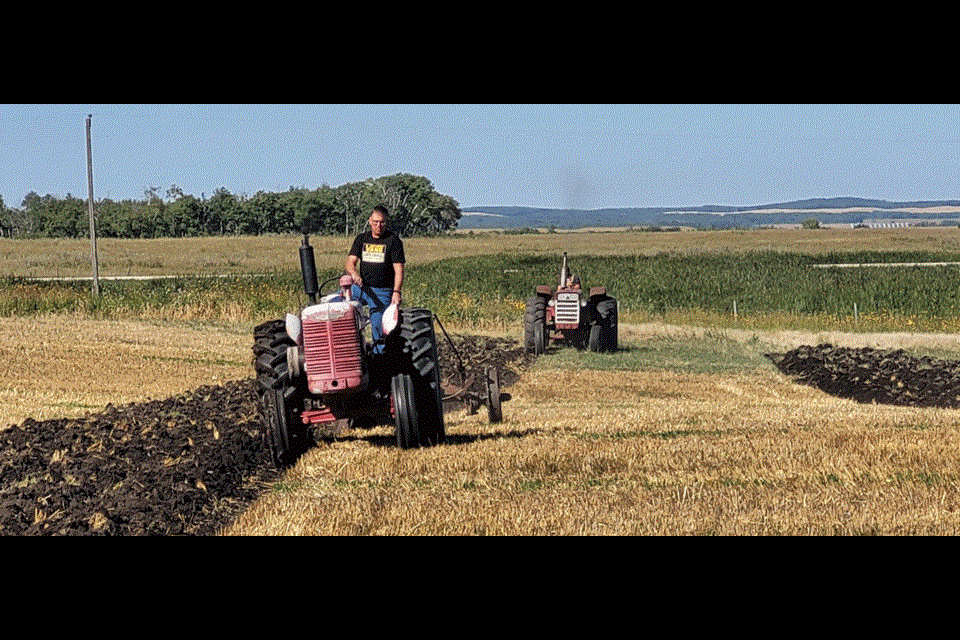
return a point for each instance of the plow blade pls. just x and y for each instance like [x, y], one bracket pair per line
[492, 397]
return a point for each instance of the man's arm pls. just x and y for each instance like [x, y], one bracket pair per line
[352, 261]
[397, 282]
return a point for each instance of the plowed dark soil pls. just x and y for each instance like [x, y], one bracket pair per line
[184, 465]
[884, 376]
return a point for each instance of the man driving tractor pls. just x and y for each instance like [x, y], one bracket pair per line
[375, 263]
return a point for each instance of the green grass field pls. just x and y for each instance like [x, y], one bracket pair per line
[759, 290]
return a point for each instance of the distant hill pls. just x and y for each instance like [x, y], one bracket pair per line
[852, 211]
[849, 202]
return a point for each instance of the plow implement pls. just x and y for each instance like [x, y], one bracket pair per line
[463, 388]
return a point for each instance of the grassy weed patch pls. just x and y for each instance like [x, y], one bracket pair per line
[682, 354]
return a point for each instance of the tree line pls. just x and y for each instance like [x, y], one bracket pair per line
[416, 208]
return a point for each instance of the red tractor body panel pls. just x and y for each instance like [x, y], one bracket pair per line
[566, 309]
[311, 416]
[333, 348]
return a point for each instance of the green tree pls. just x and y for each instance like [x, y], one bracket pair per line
[317, 215]
[32, 208]
[53, 217]
[295, 206]
[261, 213]
[347, 210]
[416, 207]
[6, 220]
[136, 220]
[184, 216]
[109, 214]
[223, 213]
[153, 211]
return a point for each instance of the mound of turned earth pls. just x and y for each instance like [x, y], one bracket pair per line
[476, 353]
[887, 376]
[185, 465]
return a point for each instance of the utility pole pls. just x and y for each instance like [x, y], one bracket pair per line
[93, 226]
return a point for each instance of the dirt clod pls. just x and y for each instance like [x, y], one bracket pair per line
[184, 465]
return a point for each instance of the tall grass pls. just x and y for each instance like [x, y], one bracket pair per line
[236, 299]
[766, 289]
[771, 286]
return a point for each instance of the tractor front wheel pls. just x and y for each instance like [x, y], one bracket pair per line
[280, 398]
[285, 431]
[405, 411]
[417, 397]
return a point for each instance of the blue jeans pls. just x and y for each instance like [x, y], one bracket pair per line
[378, 303]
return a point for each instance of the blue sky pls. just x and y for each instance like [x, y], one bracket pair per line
[584, 156]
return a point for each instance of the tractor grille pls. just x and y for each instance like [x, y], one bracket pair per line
[567, 309]
[332, 352]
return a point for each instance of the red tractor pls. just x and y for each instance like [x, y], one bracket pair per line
[565, 314]
[316, 367]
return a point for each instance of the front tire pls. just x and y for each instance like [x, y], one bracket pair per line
[405, 411]
[417, 397]
[286, 434]
[280, 400]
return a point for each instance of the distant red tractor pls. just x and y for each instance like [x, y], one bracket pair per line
[565, 314]
[316, 367]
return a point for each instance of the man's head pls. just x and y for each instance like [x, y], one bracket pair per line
[378, 220]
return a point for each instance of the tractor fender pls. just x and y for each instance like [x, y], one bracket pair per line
[543, 290]
[598, 291]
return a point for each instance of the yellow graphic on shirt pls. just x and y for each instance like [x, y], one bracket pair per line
[373, 252]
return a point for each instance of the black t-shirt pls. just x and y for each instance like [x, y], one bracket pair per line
[377, 257]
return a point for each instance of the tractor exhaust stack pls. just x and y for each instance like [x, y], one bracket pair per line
[308, 267]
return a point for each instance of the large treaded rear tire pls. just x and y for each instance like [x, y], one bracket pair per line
[280, 400]
[534, 324]
[417, 397]
[603, 329]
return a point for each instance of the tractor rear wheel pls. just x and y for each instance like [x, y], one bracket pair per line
[534, 324]
[270, 342]
[603, 330]
[610, 321]
[417, 397]
[280, 400]
[593, 342]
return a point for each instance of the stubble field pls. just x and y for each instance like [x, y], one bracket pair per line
[686, 431]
